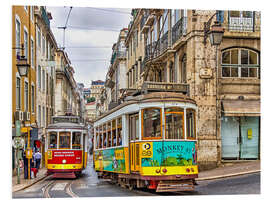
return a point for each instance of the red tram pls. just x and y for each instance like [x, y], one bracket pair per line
[66, 147]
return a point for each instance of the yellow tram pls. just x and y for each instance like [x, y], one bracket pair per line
[149, 141]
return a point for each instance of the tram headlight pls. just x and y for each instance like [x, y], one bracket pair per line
[64, 161]
[157, 171]
[164, 170]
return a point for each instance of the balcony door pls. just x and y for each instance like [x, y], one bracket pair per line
[241, 21]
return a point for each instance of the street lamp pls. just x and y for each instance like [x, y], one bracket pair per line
[216, 34]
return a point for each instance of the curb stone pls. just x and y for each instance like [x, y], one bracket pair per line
[227, 175]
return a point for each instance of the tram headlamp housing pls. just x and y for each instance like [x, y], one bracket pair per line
[64, 161]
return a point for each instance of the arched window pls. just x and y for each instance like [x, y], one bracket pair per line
[240, 62]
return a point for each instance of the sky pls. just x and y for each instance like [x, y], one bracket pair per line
[89, 37]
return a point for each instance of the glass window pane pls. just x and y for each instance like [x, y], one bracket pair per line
[225, 71]
[64, 140]
[244, 56]
[234, 13]
[247, 14]
[234, 54]
[174, 126]
[151, 122]
[191, 124]
[252, 72]
[52, 140]
[76, 140]
[174, 109]
[244, 72]
[226, 57]
[234, 72]
[253, 57]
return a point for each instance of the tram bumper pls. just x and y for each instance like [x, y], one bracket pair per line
[175, 186]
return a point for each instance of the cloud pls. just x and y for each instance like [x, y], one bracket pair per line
[86, 28]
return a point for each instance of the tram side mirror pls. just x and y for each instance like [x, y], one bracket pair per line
[249, 133]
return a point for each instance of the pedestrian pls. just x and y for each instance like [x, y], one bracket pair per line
[37, 158]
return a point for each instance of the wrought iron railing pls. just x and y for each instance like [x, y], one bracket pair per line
[179, 29]
[45, 16]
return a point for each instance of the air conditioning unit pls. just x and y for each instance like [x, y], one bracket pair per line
[26, 116]
[19, 115]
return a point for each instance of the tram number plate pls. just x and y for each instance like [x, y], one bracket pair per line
[147, 150]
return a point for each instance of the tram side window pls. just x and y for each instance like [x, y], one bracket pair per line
[52, 140]
[104, 139]
[64, 140]
[119, 132]
[174, 123]
[114, 133]
[152, 123]
[109, 130]
[191, 127]
[97, 138]
[100, 138]
[76, 140]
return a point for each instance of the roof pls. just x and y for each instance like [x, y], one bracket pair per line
[65, 125]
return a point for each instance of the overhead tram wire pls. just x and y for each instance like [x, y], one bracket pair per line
[108, 10]
[65, 27]
[89, 28]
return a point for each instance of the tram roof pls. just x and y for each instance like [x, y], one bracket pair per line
[151, 97]
[66, 125]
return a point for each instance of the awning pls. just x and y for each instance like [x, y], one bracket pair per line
[241, 107]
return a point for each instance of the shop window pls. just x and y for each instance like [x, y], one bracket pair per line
[191, 127]
[240, 63]
[152, 123]
[174, 123]
[52, 144]
[64, 140]
[76, 140]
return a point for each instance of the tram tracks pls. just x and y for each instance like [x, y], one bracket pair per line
[67, 188]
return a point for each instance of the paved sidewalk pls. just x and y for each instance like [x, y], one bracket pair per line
[24, 183]
[225, 170]
[231, 169]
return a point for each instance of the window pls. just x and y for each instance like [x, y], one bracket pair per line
[39, 115]
[32, 13]
[33, 98]
[43, 80]
[39, 77]
[109, 132]
[114, 127]
[119, 132]
[174, 123]
[184, 69]
[25, 8]
[165, 27]
[152, 123]
[155, 31]
[38, 37]
[104, 138]
[134, 126]
[240, 63]
[26, 96]
[241, 21]
[76, 140]
[43, 116]
[26, 44]
[52, 140]
[43, 45]
[32, 52]
[18, 93]
[64, 140]
[191, 127]
[18, 36]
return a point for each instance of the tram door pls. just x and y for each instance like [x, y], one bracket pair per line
[134, 147]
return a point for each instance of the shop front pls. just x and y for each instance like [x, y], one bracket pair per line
[240, 130]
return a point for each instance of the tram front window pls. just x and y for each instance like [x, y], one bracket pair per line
[52, 140]
[76, 140]
[174, 123]
[64, 140]
[151, 123]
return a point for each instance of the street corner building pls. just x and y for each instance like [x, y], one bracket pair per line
[174, 50]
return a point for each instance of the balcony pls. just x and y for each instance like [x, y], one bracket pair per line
[149, 86]
[146, 21]
[44, 16]
[179, 29]
[118, 54]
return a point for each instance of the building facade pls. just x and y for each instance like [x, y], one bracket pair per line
[23, 87]
[170, 50]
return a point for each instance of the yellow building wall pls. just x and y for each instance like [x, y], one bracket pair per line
[26, 22]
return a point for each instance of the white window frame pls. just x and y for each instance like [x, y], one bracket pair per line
[17, 41]
[18, 97]
[32, 44]
[39, 76]
[33, 98]
[43, 75]
[26, 95]
[38, 37]
[39, 115]
[26, 43]
[32, 13]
